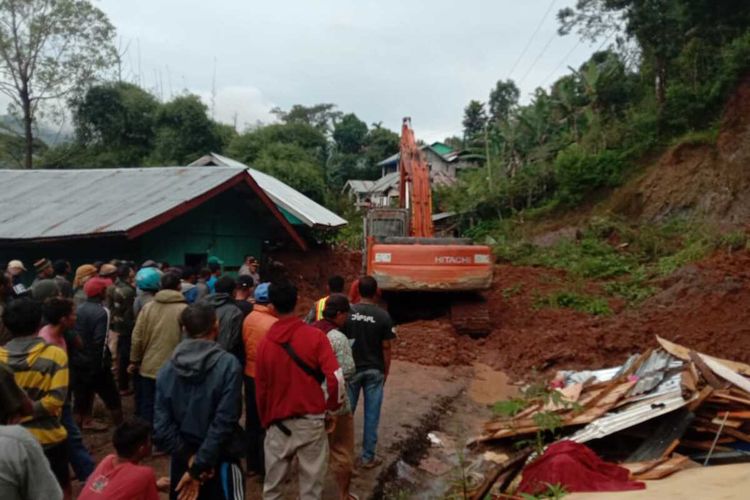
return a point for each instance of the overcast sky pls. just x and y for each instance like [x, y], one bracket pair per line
[381, 59]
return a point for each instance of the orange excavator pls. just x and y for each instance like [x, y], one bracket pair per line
[405, 257]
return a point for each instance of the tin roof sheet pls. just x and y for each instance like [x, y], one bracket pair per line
[303, 208]
[44, 204]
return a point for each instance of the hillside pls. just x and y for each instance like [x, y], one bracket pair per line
[702, 178]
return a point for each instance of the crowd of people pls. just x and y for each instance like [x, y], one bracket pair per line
[186, 344]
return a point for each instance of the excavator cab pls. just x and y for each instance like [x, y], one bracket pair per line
[382, 223]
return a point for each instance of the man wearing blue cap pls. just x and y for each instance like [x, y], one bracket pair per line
[254, 329]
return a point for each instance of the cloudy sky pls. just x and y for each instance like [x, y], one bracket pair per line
[381, 59]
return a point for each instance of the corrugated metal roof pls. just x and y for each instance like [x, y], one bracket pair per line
[39, 204]
[440, 149]
[359, 186]
[303, 208]
[385, 182]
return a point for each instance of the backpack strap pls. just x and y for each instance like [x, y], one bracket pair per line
[316, 374]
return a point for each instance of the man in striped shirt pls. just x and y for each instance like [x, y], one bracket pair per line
[41, 370]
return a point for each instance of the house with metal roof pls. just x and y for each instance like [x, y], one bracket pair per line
[444, 164]
[359, 192]
[296, 207]
[441, 159]
[180, 215]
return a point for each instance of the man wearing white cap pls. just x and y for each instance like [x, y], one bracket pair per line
[15, 270]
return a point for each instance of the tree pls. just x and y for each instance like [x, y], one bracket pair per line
[380, 143]
[119, 119]
[184, 132]
[321, 116]
[292, 165]
[659, 27]
[475, 119]
[503, 100]
[48, 49]
[350, 134]
[248, 146]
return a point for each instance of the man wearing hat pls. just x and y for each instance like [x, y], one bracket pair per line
[15, 271]
[44, 270]
[254, 329]
[93, 370]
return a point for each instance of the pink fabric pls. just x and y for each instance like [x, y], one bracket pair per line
[48, 334]
[577, 468]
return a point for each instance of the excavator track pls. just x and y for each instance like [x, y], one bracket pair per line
[470, 315]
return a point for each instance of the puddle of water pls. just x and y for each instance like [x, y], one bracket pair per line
[490, 386]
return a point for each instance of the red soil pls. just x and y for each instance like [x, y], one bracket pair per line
[705, 306]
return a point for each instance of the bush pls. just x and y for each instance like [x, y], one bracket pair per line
[578, 172]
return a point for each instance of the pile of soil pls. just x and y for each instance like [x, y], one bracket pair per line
[309, 271]
[704, 306]
[434, 343]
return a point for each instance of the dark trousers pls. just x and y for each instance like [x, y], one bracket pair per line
[227, 483]
[123, 359]
[145, 398]
[256, 435]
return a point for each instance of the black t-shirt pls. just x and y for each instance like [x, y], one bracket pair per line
[369, 325]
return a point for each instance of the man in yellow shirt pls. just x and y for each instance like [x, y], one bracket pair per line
[41, 370]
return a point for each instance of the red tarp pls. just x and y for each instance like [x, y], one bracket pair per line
[577, 468]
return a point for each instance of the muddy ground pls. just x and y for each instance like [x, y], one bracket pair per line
[703, 305]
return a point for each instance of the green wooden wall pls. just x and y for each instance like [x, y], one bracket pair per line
[225, 226]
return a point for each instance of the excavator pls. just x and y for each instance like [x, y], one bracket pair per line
[411, 265]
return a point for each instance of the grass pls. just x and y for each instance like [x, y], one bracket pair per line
[623, 258]
[589, 304]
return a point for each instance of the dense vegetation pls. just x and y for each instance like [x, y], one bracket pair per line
[314, 149]
[664, 75]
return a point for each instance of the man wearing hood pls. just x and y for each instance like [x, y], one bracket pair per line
[198, 401]
[293, 360]
[230, 317]
[156, 334]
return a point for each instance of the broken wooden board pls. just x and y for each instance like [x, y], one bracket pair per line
[706, 372]
[664, 469]
[505, 429]
[683, 353]
[727, 373]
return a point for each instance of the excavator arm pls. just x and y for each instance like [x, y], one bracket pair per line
[415, 193]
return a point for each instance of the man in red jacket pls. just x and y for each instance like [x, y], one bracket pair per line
[292, 362]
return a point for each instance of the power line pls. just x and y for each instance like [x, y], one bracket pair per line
[531, 39]
[544, 49]
[562, 62]
[570, 53]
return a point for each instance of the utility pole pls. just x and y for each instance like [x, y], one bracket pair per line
[487, 157]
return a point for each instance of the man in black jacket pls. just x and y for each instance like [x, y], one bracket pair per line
[198, 401]
[230, 317]
[92, 364]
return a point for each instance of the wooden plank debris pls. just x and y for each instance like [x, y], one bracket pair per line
[690, 402]
[707, 373]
